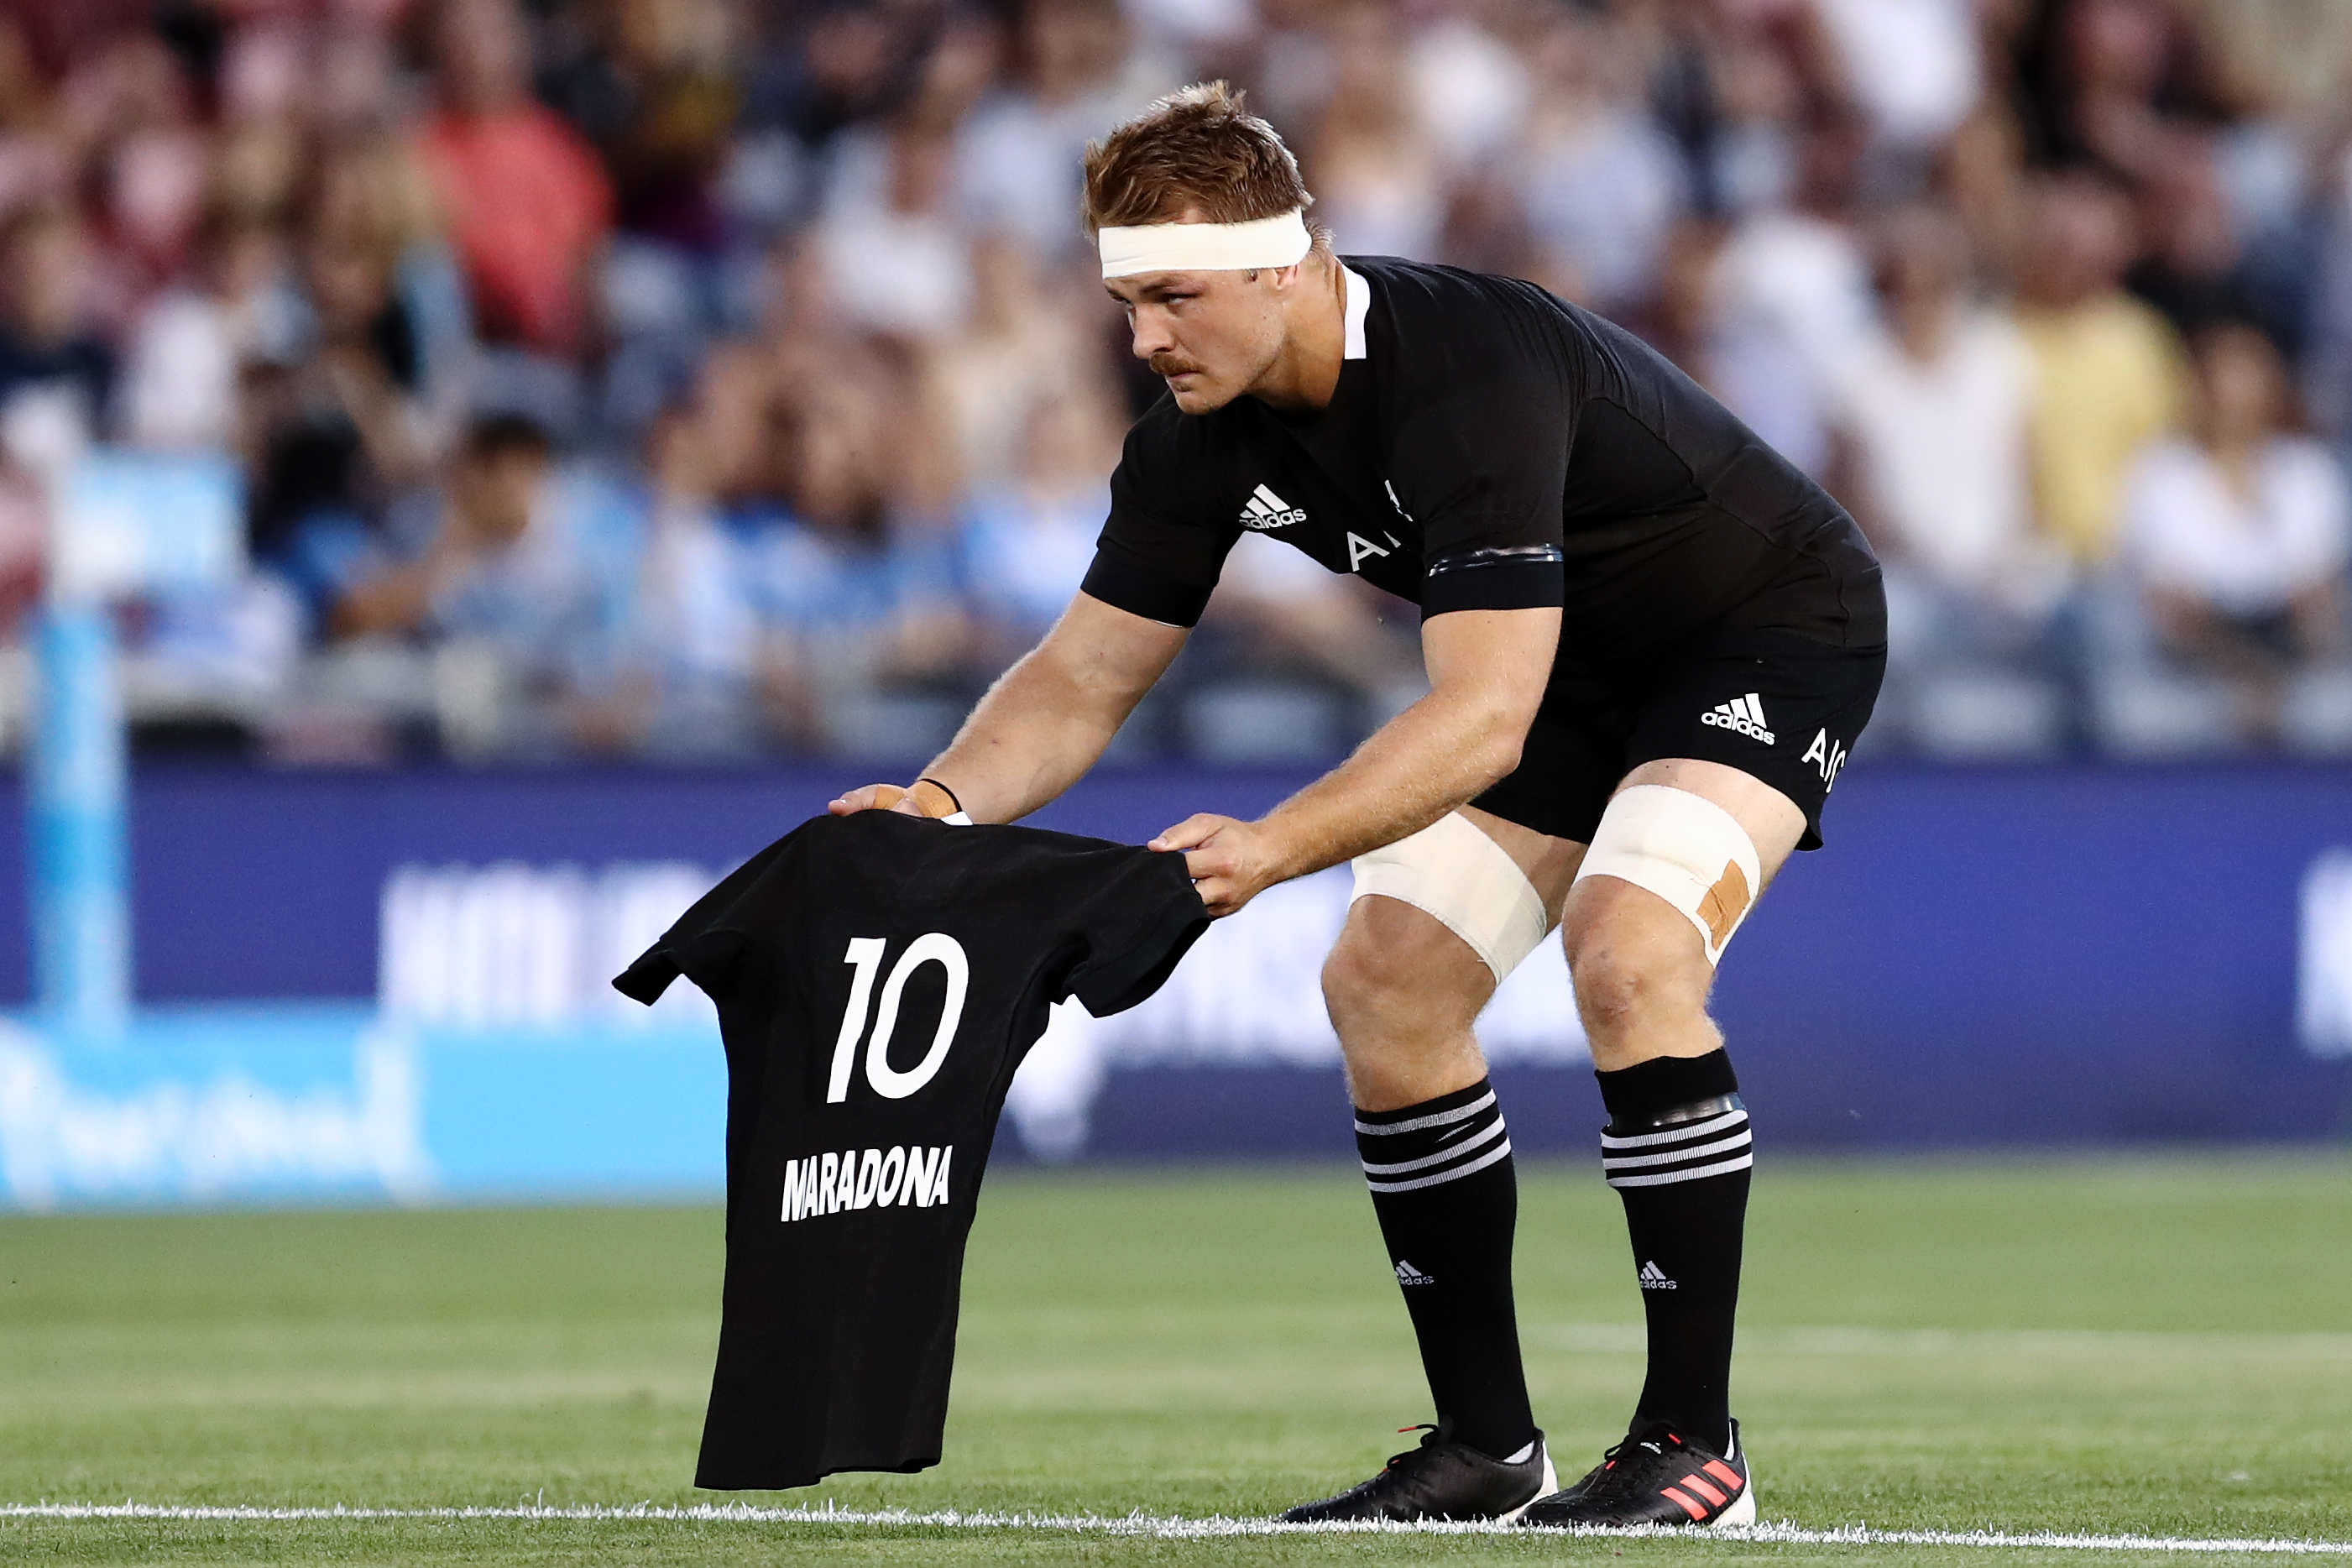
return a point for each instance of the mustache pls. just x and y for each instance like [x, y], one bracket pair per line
[1168, 364]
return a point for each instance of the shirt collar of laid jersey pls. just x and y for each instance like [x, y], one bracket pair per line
[1340, 508]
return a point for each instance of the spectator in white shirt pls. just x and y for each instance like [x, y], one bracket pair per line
[190, 343]
[1018, 156]
[1599, 180]
[2236, 536]
[1913, 65]
[1379, 179]
[688, 636]
[1794, 290]
[1933, 398]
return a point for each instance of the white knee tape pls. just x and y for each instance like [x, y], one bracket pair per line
[1455, 873]
[1684, 848]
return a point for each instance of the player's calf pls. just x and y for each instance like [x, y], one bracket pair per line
[1678, 1152]
[1669, 878]
[1403, 989]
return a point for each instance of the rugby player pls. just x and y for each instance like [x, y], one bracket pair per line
[1651, 643]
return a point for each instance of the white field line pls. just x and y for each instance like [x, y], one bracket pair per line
[1164, 1528]
[2051, 1344]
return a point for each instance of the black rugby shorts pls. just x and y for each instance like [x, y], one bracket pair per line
[1780, 708]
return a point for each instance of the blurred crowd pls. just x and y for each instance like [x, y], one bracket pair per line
[703, 379]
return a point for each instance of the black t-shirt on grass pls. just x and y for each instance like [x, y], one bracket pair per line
[878, 978]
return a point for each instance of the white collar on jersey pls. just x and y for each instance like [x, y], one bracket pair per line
[1360, 302]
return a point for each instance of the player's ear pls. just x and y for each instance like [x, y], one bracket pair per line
[1274, 282]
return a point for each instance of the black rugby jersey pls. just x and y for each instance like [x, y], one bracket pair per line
[1490, 446]
[878, 979]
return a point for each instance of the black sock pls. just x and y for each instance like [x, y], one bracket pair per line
[1448, 1200]
[1676, 1149]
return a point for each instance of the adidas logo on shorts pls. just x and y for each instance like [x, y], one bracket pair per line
[1408, 1275]
[1265, 509]
[1654, 1278]
[1743, 714]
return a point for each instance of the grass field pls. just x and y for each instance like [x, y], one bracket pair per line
[2162, 1349]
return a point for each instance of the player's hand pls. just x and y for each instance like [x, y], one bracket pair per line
[1231, 861]
[876, 797]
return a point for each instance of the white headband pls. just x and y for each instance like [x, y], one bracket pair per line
[1205, 246]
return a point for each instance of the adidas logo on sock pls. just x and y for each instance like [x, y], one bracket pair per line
[1408, 1275]
[1653, 1278]
[1265, 509]
[1743, 714]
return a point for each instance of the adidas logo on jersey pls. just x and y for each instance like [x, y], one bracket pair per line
[1654, 1278]
[1266, 509]
[1743, 714]
[866, 1179]
[1408, 1275]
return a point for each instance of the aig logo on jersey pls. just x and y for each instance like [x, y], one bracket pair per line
[1266, 511]
[1744, 715]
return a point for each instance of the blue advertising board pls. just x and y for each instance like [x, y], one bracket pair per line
[331, 1102]
[390, 986]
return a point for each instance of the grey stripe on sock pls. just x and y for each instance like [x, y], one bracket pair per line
[1455, 1175]
[1739, 1140]
[1434, 1119]
[1668, 1177]
[1673, 1134]
[1492, 1130]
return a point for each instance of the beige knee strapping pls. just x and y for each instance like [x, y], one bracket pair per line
[1684, 848]
[1468, 882]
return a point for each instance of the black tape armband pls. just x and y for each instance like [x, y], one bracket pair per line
[1521, 577]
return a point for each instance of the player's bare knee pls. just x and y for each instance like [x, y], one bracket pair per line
[1353, 982]
[1387, 979]
[1634, 983]
[1616, 993]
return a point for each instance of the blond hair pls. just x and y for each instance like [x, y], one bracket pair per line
[1197, 150]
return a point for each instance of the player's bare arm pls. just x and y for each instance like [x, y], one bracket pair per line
[1486, 671]
[1042, 724]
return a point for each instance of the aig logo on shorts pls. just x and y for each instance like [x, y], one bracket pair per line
[1742, 714]
[1828, 755]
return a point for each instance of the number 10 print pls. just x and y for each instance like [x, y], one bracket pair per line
[865, 955]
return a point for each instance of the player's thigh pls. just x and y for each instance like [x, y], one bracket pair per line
[1548, 863]
[1732, 757]
[1774, 823]
[1684, 851]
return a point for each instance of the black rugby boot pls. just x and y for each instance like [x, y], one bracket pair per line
[1439, 1479]
[1655, 1477]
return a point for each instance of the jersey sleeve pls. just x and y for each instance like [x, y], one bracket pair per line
[1479, 458]
[698, 944]
[1136, 923]
[1163, 547]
